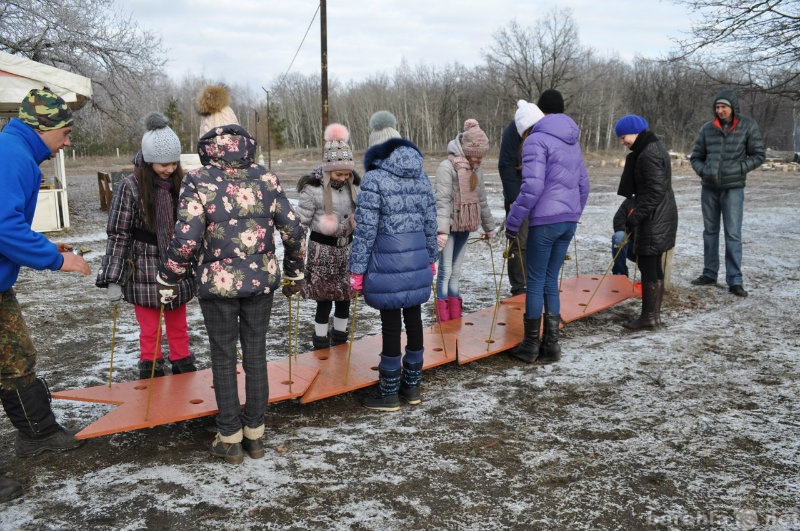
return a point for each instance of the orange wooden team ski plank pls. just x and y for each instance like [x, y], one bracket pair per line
[175, 398]
[577, 300]
[327, 372]
[335, 378]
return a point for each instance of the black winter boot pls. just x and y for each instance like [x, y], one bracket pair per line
[549, 349]
[528, 350]
[412, 377]
[29, 411]
[183, 365]
[320, 342]
[387, 396]
[652, 293]
[338, 337]
[9, 489]
[146, 369]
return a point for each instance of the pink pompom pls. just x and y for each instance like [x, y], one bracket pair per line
[470, 123]
[337, 132]
[328, 224]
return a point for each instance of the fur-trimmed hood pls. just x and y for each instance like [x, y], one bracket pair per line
[382, 151]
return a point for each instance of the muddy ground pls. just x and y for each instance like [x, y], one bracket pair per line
[694, 426]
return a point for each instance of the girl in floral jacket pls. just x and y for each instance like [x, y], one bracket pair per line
[228, 214]
[326, 205]
[140, 224]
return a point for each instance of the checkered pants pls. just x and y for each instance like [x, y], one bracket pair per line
[247, 320]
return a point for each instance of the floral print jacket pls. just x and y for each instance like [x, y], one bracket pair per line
[227, 216]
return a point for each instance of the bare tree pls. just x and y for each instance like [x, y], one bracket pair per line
[526, 61]
[87, 37]
[757, 41]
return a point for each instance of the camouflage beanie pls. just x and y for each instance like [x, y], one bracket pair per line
[43, 110]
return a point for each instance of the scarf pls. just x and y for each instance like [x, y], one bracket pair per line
[165, 222]
[467, 210]
[627, 182]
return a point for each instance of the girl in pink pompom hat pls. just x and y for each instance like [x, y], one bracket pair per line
[326, 205]
[461, 208]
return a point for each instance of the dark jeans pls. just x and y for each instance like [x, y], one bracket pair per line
[728, 205]
[547, 248]
[620, 266]
[391, 328]
[245, 320]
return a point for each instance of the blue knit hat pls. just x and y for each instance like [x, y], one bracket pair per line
[630, 124]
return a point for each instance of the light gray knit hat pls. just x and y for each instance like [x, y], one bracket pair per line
[382, 127]
[160, 144]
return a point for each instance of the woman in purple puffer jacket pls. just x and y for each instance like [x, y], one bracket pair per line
[554, 190]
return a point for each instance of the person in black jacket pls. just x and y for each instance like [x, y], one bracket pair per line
[726, 149]
[653, 220]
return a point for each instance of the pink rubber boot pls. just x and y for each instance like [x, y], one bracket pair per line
[455, 307]
[442, 310]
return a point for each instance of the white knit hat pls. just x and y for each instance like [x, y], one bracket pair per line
[160, 144]
[526, 116]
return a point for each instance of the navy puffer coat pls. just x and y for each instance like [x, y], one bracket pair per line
[395, 238]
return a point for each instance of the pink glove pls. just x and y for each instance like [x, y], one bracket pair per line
[433, 268]
[441, 241]
[357, 282]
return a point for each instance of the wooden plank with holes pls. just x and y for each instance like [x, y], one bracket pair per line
[336, 370]
[175, 398]
[332, 363]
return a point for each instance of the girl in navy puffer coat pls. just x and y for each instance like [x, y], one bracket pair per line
[393, 259]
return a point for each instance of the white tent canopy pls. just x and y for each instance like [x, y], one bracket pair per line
[18, 75]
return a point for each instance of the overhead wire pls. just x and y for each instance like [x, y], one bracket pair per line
[313, 18]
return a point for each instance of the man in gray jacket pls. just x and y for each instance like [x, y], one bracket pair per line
[727, 148]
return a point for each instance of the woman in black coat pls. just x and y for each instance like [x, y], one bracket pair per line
[653, 221]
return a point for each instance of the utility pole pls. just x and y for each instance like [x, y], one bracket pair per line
[323, 23]
[269, 143]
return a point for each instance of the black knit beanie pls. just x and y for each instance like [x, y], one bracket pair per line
[551, 102]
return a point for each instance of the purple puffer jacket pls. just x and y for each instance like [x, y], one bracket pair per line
[555, 185]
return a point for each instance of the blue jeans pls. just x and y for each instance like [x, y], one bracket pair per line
[729, 205]
[547, 247]
[450, 261]
[620, 266]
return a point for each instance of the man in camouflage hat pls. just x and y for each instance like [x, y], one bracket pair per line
[43, 128]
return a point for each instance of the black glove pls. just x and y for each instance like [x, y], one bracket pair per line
[629, 226]
[167, 292]
[292, 286]
[510, 234]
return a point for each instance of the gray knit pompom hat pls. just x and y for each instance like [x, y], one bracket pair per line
[382, 127]
[160, 144]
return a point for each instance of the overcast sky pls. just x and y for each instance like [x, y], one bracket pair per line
[253, 42]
